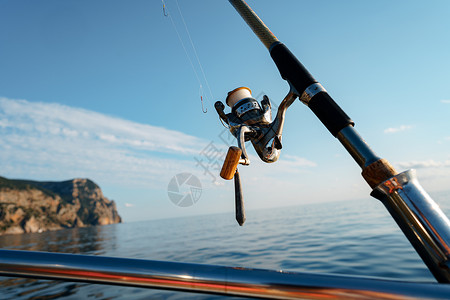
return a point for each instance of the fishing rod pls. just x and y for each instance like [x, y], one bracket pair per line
[419, 217]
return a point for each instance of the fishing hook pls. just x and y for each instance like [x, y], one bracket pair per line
[204, 109]
[164, 9]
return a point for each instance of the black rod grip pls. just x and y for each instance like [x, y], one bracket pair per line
[323, 106]
[291, 69]
[329, 113]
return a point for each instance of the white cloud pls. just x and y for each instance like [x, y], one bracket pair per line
[129, 204]
[446, 101]
[53, 141]
[397, 129]
[59, 119]
[424, 164]
[296, 161]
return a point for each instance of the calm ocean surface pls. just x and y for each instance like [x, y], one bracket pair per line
[354, 238]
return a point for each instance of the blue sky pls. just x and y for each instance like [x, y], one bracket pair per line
[105, 90]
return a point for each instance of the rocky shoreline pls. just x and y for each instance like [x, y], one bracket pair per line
[34, 206]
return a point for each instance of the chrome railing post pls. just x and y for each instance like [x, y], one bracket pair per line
[420, 218]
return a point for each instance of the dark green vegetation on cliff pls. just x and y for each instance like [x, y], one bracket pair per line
[35, 206]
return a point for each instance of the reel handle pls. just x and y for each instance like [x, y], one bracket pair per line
[231, 162]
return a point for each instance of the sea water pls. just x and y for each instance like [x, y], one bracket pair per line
[353, 238]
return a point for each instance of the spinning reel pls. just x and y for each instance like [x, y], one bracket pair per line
[251, 121]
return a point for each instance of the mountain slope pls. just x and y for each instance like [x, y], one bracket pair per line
[34, 206]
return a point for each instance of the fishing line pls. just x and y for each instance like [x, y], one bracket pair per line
[167, 14]
[181, 41]
[195, 51]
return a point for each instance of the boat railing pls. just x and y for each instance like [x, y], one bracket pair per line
[220, 280]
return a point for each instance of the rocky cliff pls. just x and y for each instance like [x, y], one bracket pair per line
[34, 206]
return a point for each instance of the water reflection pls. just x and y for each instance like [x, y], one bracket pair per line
[91, 240]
